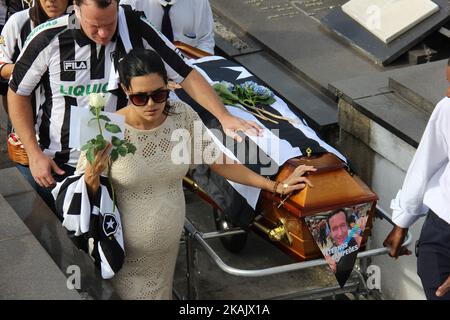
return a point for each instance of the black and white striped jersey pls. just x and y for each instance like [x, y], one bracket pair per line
[69, 66]
[14, 33]
[12, 40]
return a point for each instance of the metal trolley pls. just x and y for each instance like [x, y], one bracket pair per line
[356, 284]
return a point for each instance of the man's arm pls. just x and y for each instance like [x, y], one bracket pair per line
[200, 90]
[192, 82]
[31, 65]
[21, 115]
[430, 156]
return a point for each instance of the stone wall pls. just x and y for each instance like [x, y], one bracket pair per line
[381, 159]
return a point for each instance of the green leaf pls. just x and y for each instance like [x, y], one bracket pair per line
[116, 142]
[100, 145]
[99, 138]
[130, 147]
[90, 155]
[86, 146]
[91, 120]
[113, 128]
[93, 111]
[114, 155]
[247, 102]
[271, 100]
[229, 102]
[267, 100]
[122, 151]
[103, 117]
[220, 87]
[240, 92]
[223, 92]
[92, 142]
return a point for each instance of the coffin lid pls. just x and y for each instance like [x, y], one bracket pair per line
[334, 187]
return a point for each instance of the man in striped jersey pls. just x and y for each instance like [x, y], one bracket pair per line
[71, 62]
[18, 28]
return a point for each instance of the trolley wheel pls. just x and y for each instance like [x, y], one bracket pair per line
[234, 243]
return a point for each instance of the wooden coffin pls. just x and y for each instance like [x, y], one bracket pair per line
[282, 219]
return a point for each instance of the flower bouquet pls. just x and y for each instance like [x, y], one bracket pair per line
[250, 97]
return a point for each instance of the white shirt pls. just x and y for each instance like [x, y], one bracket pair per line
[427, 182]
[192, 20]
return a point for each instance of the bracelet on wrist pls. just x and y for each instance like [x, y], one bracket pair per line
[275, 186]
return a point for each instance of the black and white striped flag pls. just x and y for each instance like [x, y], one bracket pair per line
[284, 140]
[97, 222]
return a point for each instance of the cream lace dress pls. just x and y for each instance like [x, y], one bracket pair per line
[150, 197]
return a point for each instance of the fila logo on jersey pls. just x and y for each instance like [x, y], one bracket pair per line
[74, 65]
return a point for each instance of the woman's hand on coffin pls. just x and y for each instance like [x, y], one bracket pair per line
[394, 241]
[296, 181]
[101, 160]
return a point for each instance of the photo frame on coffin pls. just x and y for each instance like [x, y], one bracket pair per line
[338, 234]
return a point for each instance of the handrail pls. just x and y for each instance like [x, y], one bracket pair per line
[200, 237]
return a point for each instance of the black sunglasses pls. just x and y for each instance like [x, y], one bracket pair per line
[141, 99]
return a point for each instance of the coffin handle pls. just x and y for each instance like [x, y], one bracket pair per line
[280, 233]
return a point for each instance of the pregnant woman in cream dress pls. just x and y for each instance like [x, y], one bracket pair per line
[148, 184]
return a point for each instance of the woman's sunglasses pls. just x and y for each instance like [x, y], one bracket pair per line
[141, 99]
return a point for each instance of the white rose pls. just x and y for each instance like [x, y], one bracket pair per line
[97, 100]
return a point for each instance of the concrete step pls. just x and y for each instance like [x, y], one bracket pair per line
[423, 85]
[48, 249]
[27, 271]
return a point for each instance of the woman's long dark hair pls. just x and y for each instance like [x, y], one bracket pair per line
[37, 13]
[141, 62]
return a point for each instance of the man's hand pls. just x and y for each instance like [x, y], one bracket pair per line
[231, 125]
[201, 91]
[394, 240]
[444, 288]
[21, 114]
[41, 168]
